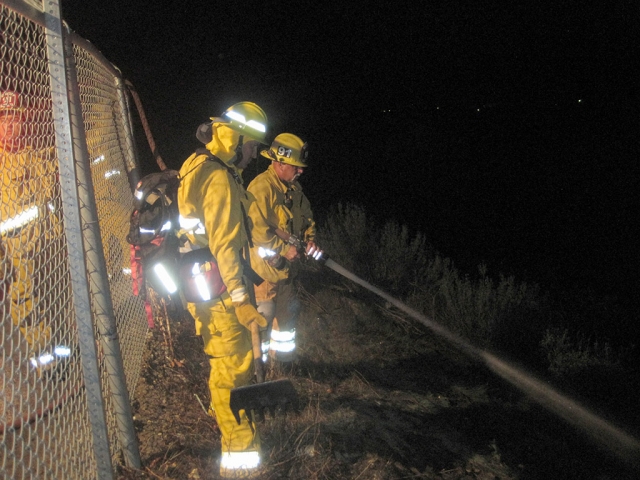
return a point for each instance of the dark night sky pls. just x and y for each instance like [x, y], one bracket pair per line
[507, 133]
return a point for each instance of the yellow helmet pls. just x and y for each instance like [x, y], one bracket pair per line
[248, 119]
[10, 103]
[288, 148]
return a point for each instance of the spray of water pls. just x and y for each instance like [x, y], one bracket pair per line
[603, 433]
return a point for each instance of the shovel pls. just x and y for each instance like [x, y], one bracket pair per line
[262, 395]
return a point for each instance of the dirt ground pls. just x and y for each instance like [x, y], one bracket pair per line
[381, 398]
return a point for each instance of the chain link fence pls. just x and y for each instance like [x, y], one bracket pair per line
[72, 333]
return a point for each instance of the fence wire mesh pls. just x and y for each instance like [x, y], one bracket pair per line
[45, 429]
[105, 134]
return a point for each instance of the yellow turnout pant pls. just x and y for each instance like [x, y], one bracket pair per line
[228, 345]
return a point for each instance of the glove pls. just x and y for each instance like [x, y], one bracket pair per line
[277, 261]
[313, 251]
[247, 314]
[291, 254]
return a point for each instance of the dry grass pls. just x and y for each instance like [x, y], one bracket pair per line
[381, 397]
[379, 400]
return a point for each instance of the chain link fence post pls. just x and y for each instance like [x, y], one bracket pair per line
[131, 160]
[73, 231]
[97, 273]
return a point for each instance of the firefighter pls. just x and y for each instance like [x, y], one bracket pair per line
[212, 196]
[282, 206]
[31, 230]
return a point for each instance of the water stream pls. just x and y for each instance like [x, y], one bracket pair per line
[603, 433]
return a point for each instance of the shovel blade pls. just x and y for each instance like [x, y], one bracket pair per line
[269, 395]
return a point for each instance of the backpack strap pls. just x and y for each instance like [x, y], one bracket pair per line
[234, 174]
[249, 273]
[213, 158]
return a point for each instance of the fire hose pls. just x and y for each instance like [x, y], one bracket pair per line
[600, 431]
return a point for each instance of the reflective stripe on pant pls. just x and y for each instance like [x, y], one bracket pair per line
[228, 345]
[282, 344]
[238, 464]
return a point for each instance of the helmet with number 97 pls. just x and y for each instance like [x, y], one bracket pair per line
[248, 119]
[12, 122]
[288, 148]
[11, 103]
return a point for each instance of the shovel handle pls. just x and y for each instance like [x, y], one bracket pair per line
[257, 352]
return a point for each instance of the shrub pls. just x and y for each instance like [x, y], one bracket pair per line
[501, 314]
[385, 256]
[490, 312]
[567, 356]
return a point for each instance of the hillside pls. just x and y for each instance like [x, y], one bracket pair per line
[381, 397]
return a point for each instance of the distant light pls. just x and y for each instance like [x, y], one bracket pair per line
[478, 109]
[580, 100]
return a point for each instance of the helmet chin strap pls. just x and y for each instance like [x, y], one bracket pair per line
[238, 151]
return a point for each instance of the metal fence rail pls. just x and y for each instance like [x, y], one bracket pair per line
[72, 334]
